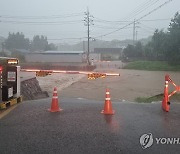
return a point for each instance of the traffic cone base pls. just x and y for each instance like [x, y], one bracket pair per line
[165, 105]
[103, 112]
[58, 110]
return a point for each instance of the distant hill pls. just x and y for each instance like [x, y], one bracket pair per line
[82, 46]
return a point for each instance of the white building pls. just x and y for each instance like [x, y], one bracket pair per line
[56, 56]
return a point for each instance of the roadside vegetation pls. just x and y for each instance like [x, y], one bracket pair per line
[152, 66]
[156, 98]
[164, 46]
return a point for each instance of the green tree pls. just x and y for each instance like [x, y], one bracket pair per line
[16, 41]
[148, 51]
[129, 51]
[39, 43]
[159, 45]
[138, 49]
[134, 51]
[173, 52]
[51, 46]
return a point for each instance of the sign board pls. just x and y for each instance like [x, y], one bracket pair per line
[11, 76]
[12, 61]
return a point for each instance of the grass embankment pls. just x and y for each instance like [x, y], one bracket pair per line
[175, 97]
[152, 66]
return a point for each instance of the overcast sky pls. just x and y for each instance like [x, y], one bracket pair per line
[63, 19]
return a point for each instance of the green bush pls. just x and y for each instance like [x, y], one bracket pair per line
[152, 66]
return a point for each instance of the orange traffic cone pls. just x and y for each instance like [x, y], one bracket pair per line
[54, 104]
[107, 104]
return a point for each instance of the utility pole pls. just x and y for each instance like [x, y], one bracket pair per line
[88, 21]
[135, 32]
[136, 35]
[84, 46]
[134, 28]
[88, 36]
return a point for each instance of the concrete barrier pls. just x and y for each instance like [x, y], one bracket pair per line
[30, 90]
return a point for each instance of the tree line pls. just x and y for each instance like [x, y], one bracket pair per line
[18, 41]
[164, 45]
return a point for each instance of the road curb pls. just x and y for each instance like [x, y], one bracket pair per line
[7, 111]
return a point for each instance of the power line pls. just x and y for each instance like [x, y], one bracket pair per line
[147, 30]
[80, 38]
[41, 22]
[136, 20]
[155, 9]
[125, 21]
[41, 17]
[148, 26]
[144, 8]
[156, 20]
[107, 27]
[115, 30]
[110, 21]
[139, 7]
[135, 13]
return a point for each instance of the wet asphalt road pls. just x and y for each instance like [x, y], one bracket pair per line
[81, 128]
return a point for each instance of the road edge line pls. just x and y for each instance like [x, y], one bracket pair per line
[6, 112]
